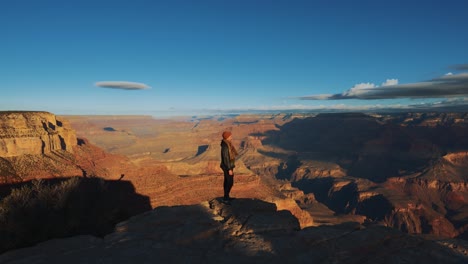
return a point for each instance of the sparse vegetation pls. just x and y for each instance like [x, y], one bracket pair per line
[42, 210]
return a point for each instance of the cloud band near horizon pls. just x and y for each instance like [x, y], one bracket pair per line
[124, 85]
[450, 85]
[460, 67]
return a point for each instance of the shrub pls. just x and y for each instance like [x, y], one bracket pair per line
[40, 210]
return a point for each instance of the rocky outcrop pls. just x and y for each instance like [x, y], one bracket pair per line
[248, 231]
[39, 145]
[23, 133]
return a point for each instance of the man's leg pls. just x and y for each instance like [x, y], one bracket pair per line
[228, 182]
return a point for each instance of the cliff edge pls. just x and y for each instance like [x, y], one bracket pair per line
[248, 231]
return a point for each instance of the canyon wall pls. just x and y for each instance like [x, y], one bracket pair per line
[34, 133]
[40, 145]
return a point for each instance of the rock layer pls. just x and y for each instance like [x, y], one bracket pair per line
[39, 145]
[34, 133]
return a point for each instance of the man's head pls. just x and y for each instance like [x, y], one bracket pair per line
[227, 135]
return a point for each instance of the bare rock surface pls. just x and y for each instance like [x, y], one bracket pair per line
[35, 145]
[24, 133]
[247, 231]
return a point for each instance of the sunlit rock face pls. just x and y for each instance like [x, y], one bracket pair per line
[40, 145]
[34, 133]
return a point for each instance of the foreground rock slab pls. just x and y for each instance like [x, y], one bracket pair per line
[246, 231]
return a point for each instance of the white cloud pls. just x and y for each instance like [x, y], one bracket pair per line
[354, 92]
[389, 82]
[362, 86]
[359, 89]
[122, 85]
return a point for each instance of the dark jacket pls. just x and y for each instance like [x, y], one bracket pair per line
[226, 162]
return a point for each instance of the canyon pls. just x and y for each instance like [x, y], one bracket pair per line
[405, 171]
[408, 171]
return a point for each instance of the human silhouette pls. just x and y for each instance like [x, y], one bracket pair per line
[228, 158]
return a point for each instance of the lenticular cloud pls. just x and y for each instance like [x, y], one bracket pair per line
[122, 85]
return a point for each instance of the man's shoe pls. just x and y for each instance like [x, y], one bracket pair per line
[226, 201]
[231, 198]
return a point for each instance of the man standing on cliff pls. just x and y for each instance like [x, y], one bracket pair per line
[228, 158]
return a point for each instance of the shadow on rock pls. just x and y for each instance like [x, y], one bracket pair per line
[342, 201]
[39, 210]
[247, 231]
[364, 147]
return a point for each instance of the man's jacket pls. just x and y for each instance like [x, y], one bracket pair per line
[226, 162]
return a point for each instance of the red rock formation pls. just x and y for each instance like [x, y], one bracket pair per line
[39, 145]
[33, 133]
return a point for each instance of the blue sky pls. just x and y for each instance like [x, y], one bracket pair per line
[225, 55]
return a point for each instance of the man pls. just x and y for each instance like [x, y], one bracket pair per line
[228, 158]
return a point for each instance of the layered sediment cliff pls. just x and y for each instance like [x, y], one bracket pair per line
[40, 145]
[34, 133]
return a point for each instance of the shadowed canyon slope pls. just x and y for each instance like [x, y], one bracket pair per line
[411, 175]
